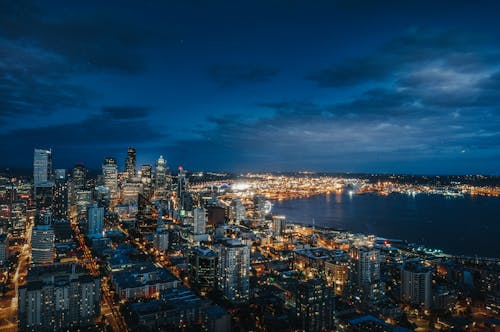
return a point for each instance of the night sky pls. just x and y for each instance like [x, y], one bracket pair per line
[360, 86]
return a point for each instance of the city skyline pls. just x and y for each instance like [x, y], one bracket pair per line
[336, 86]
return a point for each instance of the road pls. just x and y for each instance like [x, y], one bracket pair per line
[108, 309]
[8, 306]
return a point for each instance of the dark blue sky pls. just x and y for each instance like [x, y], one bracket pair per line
[362, 86]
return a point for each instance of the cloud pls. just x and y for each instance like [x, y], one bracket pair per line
[33, 81]
[88, 42]
[94, 137]
[235, 74]
[351, 72]
[126, 112]
[463, 52]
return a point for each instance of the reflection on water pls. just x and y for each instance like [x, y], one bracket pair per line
[464, 225]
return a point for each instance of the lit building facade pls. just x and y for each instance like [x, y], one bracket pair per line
[416, 282]
[42, 244]
[58, 297]
[233, 272]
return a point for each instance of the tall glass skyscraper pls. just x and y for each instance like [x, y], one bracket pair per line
[42, 166]
[130, 163]
[110, 175]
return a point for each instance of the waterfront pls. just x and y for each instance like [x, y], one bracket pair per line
[459, 225]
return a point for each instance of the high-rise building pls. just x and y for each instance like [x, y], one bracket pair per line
[58, 298]
[199, 220]
[79, 177]
[60, 198]
[130, 163]
[259, 205]
[161, 178]
[102, 196]
[315, 306]
[337, 273]
[366, 265]
[4, 248]
[82, 201]
[233, 271]
[130, 192]
[238, 211]
[42, 244]
[44, 197]
[279, 225]
[42, 166]
[202, 269]
[95, 221]
[183, 194]
[416, 284]
[110, 175]
[160, 237]
[147, 180]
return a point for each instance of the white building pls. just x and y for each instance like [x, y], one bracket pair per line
[233, 271]
[200, 220]
[42, 244]
[416, 284]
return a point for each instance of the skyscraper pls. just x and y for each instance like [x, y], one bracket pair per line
[60, 200]
[199, 220]
[279, 225]
[42, 244]
[58, 297]
[238, 211]
[161, 178]
[315, 306]
[110, 175]
[79, 177]
[95, 221]
[259, 203]
[416, 284]
[233, 272]
[366, 265]
[4, 248]
[182, 190]
[147, 180]
[42, 166]
[130, 163]
[202, 268]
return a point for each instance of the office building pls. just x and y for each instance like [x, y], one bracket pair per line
[4, 248]
[42, 166]
[161, 179]
[110, 175]
[79, 177]
[60, 196]
[42, 244]
[95, 221]
[238, 211]
[233, 271]
[416, 282]
[199, 220]
[279, 226]
[259, 205]
[130, 164]
[160, 236]
[146, 176]
[315, 306]
[202, 269]
[58, 297]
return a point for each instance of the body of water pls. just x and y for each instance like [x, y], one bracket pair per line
[459, 225]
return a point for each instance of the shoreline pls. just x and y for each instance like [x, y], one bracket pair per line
[404, 242]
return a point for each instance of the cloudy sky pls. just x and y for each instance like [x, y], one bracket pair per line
[362, 86]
